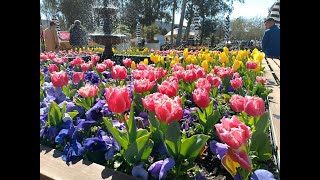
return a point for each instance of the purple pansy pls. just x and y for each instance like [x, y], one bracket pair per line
[72, 151]
[160, 168]
[94, 112]
[262, 174]
[139, 172]
[200, 176]
[218, 149]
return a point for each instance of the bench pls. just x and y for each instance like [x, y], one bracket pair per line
[272, 74]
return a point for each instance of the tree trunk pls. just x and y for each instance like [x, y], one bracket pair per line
[172, 25]
[184, 3]
[186, 36]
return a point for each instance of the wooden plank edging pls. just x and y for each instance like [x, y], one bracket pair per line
[53, 167]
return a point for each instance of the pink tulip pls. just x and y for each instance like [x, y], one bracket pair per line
[189, 75]
[168, 110]
[236, 75]
[169, 88]
[58, 60]
[141, 67]
[200, 73]
[77, 77]
[85, 67]
[88, 91]
[233, 132]
[43, 56]
[251, 65]
[203, 83]
[254, 106]
[216, 69]
[143, 85]
[237, 103]
[95, 59]
[149, 101]
[172, 78]
[236, 83]
[127, 62]
[214, 80]
[201, 97]
[59, 79]
[177, 67]
[118, 99]
[240, 156]
[109, 63]
[119, 72]
[101, 67]
[53, 68]
[179, 74]
[76, 62]
[261, 79]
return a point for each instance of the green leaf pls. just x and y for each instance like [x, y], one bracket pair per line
[73, 114]
[191, 147]
[135, 150]
[132, 125]
[209, 108]
[115, 133]
[141, 132]
[72, 93]
[65, 90]
[64, 108]
[173, 139]
[81, 102]
[157, 135]
[202, 117]
[263, 123]
[261, 144]
[147, 150]
[55, 116]
[212, 119]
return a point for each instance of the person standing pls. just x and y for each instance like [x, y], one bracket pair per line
[271, 39]
[78, 35]
[51, 38]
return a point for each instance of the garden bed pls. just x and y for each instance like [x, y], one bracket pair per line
[189, 115]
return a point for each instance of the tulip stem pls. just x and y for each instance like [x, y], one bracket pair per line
[124, 121]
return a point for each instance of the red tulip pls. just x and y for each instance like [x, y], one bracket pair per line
[53, 68]
[77, 77]
[251, 65]
[118, 99]
[59, 79]
[240, 156]
[88, 91]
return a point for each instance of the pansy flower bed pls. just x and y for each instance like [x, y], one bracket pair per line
[198, 115]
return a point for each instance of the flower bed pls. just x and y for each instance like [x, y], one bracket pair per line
[188, 115]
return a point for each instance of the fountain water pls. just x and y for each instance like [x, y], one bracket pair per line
[107, 12]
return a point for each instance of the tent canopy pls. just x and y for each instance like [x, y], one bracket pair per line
[175, 33]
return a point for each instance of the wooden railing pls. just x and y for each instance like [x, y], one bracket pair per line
[53, 168]
[272, 74]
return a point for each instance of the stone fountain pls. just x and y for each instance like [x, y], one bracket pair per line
[107, 12]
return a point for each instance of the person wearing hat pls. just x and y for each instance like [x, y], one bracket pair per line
[271, 39]
[51, 38]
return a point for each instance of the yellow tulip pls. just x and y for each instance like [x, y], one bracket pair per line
[172, 53]
[188, 59]
[209, 58]
[225, 50]
[258, 56]
[223, 57]
[152, 57]
[146, 61]
[257, 69]
[204, 64]
[185, 53]
[167, 58]
[212, 71]
[162, 60]
[206, 51]
[133, 65]
[236, 65]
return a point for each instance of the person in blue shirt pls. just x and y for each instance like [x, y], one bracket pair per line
[271, 39]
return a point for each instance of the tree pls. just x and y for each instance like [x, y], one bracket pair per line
[78, 10]
[183, 9]
[49, 8]
[150, 31]
[174, 7]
